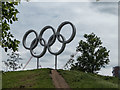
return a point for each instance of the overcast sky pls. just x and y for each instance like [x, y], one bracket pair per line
[98, 17]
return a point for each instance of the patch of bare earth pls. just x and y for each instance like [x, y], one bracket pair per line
[59, 81]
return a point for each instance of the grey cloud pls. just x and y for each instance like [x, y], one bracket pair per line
[105, 7]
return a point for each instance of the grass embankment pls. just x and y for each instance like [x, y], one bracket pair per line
[41, 79]
[27, 79]
[77, 79]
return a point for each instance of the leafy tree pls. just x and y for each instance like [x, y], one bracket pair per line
[8, 16]
[93, 55]
[13, 61]
[70, 61]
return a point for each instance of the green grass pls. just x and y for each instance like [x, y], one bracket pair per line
[40, 78]
[77, 79]
[28, 79]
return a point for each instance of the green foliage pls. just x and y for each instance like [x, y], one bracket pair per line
[93, 55]
[13, 61]
[78, 79]
[9, 13]
[39, 78]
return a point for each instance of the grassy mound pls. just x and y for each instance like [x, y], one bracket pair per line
[27, 79]
[77, 79]
[40, 78]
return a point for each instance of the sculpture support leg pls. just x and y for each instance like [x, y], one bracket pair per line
[55, 61]
[37, 63]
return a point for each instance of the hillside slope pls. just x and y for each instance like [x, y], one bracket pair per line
[77, 79]
[41, 79]
[27, 79]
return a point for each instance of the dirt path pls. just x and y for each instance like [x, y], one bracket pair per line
[58, 80]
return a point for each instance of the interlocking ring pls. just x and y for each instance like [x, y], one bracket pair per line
[51, 40]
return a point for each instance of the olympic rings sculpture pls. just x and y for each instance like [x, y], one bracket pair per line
[51, 40]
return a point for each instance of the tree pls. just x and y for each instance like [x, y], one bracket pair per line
[13, 61]
[93, 55]
[70, 61]
[9, 13]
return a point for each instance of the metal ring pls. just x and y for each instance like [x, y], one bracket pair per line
[24, 39]
[73, 31]
[41, 34]
[61, 50]
[41, 54]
